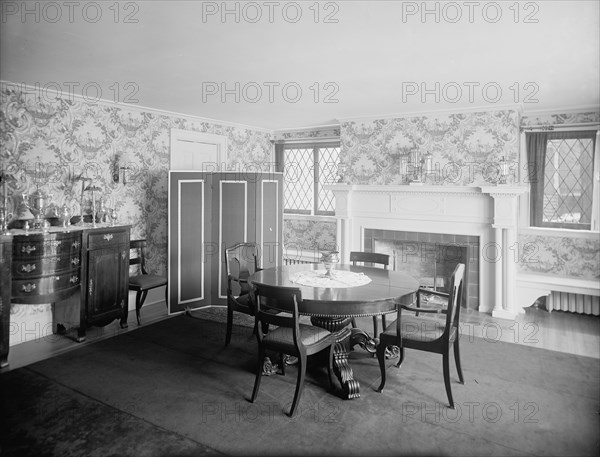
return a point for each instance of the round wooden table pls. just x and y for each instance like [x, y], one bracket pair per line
[334, 308]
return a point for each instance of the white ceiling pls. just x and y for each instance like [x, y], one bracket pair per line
[369, 57]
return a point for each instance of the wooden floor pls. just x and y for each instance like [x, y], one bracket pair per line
[558, 331]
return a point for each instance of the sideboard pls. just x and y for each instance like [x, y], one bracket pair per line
[86, 266]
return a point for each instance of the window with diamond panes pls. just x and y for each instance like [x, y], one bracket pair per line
[307, 170]
[568, 183]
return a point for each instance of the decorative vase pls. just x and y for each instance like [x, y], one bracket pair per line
[329, 259]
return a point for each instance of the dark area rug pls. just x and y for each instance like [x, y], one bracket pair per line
[172, 388]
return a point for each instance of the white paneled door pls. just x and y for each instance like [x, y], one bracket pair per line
[197, 151]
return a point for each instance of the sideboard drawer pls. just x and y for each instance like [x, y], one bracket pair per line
[107, 239]
[45, 265]
[31, 247]
[46, 285]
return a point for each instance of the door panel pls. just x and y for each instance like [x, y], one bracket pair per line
[269, 229]
[197, 151]
[188, 227]
[233, 223]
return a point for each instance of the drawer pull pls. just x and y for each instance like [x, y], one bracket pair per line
[28, 287]
[57, 278]
[75, 261]
[74, 279]
[28, 249]
[108, 236]
[28, 268]
[76, 244]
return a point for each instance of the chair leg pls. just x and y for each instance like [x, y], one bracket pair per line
[381, 358]
[259, 369]
[446, 363]
[229, 326]
[299, 383]
[282, 363]
[457, 360]
[401, 359]
[353, 322]
[140, 296]
[383, 323]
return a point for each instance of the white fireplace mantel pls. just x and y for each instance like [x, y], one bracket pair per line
[489, 213]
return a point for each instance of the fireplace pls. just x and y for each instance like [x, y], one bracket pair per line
[430, 258]
[427, 229]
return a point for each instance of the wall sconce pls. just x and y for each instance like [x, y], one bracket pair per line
[415, 166]
[119, 173]
[504, 166]
[124, 173]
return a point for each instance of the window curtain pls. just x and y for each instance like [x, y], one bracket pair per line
[596, 184]
[279, 157]
[536, 162]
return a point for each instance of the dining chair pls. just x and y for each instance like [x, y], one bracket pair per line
[426, 334]
[241, 261]
[372, 258]
[278, 306]
[143, 281]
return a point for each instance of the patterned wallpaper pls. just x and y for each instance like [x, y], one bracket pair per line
[50, 141]
[561, 118]
[465, 147]
[577, 258]
[53, 142]
[311, 133]
[308, 235]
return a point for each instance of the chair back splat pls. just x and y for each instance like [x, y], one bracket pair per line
[426, 334]
[371, 258]
[143, 281]
[278, 306]
[241, 261]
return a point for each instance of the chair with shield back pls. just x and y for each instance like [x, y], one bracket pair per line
[427, 334]
[278, 306]
[371, 258]
[142, 282]
[241, 261]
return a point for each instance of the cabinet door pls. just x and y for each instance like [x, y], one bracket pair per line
[105, 292]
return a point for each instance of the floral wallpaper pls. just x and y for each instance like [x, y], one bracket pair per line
[465, 147]
[324, 132]
[309, 235]
[49, 142]
[561, 118]
[561, 256]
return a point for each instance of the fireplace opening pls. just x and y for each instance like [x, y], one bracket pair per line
[430, 258]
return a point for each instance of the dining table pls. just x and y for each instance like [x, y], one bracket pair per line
[332, 298]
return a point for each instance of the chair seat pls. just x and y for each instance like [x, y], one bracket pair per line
[144, 282]
[309, 335]
[421, 329]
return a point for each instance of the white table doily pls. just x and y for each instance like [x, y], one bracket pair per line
[340, 278]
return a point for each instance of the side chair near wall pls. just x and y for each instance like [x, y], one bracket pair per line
[376, 258]
[426, 334]
[143, 281]
[279, 306]
[241, 260]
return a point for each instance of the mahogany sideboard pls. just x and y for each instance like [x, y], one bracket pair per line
[86, 266]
